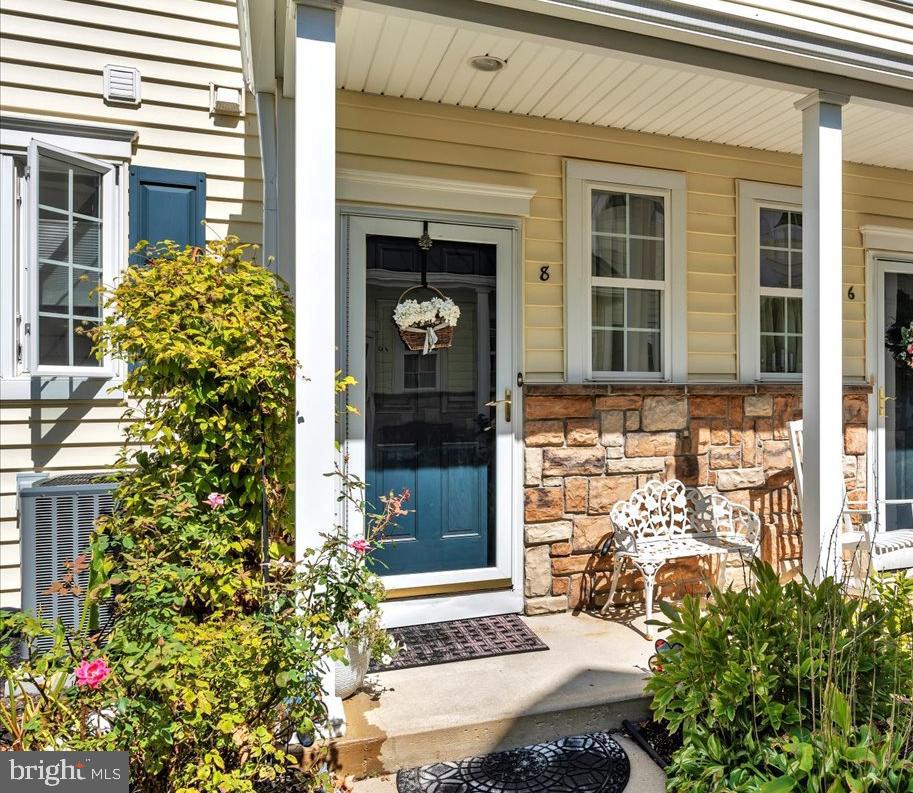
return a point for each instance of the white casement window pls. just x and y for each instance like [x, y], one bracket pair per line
[62, 225]
[625, 273]
[68, 251]
[770, 282]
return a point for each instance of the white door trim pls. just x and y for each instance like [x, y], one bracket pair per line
[354, 225]
[432, 193]
[878, 263]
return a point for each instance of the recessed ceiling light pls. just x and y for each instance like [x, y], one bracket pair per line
[487, 63]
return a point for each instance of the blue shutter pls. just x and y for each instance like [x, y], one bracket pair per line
[166, 205]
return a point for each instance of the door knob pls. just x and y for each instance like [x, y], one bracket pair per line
[882, 402]
[508, 402]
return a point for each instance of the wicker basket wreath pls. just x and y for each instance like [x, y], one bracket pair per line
[428, 324]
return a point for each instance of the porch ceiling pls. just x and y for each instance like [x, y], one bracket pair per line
[403, 53]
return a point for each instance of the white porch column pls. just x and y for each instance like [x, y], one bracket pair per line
[822, 330]
[315, 272]
[314, 221]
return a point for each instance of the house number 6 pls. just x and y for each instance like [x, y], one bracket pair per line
[544, 274]
[851, 293]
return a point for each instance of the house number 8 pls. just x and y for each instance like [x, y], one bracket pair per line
[544, 273]
[851, 293]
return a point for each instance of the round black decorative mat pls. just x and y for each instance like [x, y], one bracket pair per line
[580, 764]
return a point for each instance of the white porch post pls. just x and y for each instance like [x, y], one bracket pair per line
[315, 272]
[315, 288]
[822, 330]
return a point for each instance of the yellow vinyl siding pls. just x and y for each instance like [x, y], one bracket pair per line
[52, 55]
[427, 139]
[51, 63]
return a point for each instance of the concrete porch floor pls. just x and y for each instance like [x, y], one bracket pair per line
[590, 679]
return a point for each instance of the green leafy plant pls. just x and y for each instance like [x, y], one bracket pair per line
[790, 687]
[217, 655]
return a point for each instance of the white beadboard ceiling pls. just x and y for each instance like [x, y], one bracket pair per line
[427, 58]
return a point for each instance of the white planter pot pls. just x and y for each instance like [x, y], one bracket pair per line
[349, 677]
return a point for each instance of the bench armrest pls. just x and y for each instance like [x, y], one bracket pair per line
[744, 521]
[621, 540]
[748, 522]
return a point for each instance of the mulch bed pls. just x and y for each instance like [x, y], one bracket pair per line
[655, 740]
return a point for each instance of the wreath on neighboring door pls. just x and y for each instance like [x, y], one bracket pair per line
[898, 339]
[428, 324]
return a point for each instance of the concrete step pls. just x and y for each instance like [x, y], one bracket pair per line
[590, 679]
[646, 776]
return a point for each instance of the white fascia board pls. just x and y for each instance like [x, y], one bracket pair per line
[257, 29]
[694, 28]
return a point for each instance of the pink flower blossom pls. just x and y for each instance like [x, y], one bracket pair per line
[215, 500]
[910, 349]
[359, 546]
[92, 673]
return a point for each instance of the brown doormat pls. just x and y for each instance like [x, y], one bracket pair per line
[461, 640]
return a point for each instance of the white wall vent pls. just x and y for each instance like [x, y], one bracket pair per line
[225, 100]
[122, 84]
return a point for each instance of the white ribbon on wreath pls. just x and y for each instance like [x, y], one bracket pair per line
[430, 336]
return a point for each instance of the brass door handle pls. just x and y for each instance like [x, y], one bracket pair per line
[882, 402]
[508, 403]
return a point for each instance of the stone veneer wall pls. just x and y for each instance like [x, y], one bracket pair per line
[588, 446]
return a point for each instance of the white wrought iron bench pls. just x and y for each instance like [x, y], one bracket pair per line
[864, 549]
[664, 521]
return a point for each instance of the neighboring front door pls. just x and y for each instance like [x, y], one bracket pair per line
[434, 424]
[894, 398]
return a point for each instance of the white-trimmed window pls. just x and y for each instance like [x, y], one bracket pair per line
[62, 222]
[625, 289]
[68, 253]
[770, 276]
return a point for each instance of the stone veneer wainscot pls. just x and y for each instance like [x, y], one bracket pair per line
[588, 446]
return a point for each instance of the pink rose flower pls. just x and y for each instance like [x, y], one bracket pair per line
[359, 546]
[215, 500]
[910, 349]
[92, 673]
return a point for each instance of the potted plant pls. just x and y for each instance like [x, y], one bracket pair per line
[367, 639]
[358, 591]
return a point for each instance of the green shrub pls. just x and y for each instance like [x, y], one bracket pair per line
[212, 665]
[790, 687]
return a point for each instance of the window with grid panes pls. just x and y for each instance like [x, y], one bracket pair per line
[780, 290]
[70, 261]
[628, 281]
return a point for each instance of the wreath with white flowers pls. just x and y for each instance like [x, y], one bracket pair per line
[426, 325]
[899, 341]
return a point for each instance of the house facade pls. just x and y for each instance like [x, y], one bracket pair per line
[661, 226]
[119, 96]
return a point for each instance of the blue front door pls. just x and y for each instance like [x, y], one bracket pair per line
[428, 428]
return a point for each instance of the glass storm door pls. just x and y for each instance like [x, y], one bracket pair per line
[435, 424]
[894, 400]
